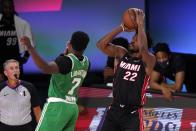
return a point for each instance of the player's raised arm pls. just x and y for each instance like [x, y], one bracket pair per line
[147, 57]
[109, 49]
[46, 67]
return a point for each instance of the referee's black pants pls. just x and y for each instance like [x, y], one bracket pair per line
[25, 127]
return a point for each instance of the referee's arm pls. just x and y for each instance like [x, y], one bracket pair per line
[37, 113]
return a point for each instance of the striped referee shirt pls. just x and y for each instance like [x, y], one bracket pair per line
[16, 103]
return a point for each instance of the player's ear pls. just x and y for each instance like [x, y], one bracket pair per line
[69, 46]
[5, 72]
[67, 43]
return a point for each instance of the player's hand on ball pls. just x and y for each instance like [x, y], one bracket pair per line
[124, 28]
[139, 16]
[129, 18]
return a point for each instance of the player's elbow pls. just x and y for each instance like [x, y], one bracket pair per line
[45, 70]
[49, 68]
[101, 44]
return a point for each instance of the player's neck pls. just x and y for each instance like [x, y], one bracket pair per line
[78, 54]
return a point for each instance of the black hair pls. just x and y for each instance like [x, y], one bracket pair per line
[11, 2]
[120, 41]
[79, 41]
[161, 46]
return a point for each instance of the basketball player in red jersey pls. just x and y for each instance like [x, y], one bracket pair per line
[130, 80]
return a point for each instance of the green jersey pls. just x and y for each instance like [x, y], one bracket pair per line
[66, 86]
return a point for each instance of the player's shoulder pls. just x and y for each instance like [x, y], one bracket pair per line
[63, 57]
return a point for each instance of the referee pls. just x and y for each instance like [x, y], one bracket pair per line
[17, 99]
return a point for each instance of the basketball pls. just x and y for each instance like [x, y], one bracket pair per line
[129, 19]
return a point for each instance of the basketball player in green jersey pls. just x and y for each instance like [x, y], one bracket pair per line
[68, 72]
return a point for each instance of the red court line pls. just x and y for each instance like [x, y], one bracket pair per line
[94, 92]
[85, 120]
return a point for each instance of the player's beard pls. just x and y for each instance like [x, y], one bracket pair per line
[132, 49]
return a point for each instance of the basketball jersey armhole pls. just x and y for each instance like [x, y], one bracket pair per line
[86, 59]
[71, 61]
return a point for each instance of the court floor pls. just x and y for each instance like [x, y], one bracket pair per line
[159, 114]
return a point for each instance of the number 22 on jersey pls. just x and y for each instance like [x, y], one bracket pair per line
[130, 76]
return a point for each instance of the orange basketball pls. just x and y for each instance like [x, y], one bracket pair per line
[129, 19]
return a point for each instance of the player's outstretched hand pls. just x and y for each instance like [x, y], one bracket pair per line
[167, 93]
[26, 42]
[140, 17]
